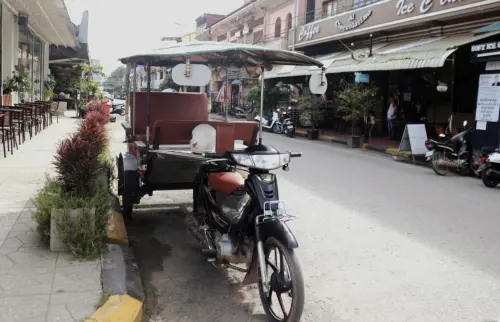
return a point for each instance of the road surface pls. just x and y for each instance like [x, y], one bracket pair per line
[379, 241]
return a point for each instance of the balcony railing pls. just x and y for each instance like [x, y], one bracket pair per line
[320, 13]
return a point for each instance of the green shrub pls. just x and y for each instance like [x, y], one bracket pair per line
[82, 241]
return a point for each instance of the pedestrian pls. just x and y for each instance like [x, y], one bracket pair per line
[371, 118]
[391, 114]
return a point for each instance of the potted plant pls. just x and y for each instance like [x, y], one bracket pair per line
[18, 82]
[49, 84]
[442, 87]
[310, 109]
[354, 102]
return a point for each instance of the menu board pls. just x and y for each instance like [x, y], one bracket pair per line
[488, 98]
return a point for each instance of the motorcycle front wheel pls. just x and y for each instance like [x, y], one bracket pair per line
[286, 284]
[440, 170]
[278, 128]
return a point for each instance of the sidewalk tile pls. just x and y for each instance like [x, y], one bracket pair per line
[19, 309]
[77, 279]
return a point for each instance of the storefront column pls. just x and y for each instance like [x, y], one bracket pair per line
[9, 45]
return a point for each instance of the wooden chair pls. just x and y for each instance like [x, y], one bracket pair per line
[29, 118]
[54, 111]
[13, 121]
[4, 133]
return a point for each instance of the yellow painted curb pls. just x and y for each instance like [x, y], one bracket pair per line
[117, 233]
[396, 152]
[118, 308]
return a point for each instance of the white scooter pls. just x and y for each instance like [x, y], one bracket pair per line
[272, 124]
[490, 170]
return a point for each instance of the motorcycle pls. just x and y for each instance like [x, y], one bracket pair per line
[453, 153]
[117, 107]
[273, 124]
[490, 169]
[241, 112]
[241, 220]
[288, 126]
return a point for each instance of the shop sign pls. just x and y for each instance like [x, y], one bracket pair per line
[404, 7]
[353, 23]
[308, 32]
[233, 73]
[485, 47]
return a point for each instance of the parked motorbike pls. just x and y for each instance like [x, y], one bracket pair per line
[454, 153]
[117, 107]
[241, 111]
[271, 123]
[288, 126]
[242, 221]
[490, 169]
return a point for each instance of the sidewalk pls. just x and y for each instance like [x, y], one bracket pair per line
[378, 145]
[37, 285]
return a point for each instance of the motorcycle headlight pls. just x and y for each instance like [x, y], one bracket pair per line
[262, 161]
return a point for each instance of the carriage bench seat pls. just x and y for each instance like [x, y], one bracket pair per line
[179, 132]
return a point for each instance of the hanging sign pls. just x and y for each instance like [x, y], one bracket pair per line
[488, 98]
[353, 22]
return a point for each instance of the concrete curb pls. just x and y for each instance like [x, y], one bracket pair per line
[120, 276]
[364, 146]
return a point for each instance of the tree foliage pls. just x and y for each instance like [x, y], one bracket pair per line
[168, 82]
[273, 95]
[355, 101]
[310, 107]
[115, 82]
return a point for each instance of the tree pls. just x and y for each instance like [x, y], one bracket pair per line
[273, 95]
[168, 82]
[355, 101]
[115, 82]
[310, 107]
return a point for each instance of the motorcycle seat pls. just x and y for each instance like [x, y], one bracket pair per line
[226, 182]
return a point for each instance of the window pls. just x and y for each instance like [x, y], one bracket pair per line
[258, 36]
[277, 28]
[289, 21]
[37, 76]
[330, 8]
[362, 3]
[25, 60]
[161, 75]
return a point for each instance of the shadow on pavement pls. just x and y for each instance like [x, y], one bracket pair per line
[180, 285]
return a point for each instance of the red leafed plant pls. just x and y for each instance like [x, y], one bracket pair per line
[100, 108]
[92, 129]
[76, 165]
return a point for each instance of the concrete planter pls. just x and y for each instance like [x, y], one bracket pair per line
[312, 134]
[354, 142]
[102, 180]
[56, 244]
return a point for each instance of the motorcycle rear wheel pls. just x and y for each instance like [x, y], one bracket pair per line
[284, 281]
[440, 170]
[488, 182]
[278, 128]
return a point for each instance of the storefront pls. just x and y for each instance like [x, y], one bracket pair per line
[414, 51]
[25, 41]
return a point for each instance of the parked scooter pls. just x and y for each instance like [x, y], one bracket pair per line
[272, 124]
[117, 107]
[454, 153]
[288, 126]
[490, 169]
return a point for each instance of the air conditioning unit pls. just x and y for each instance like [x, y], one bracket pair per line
[238, 34]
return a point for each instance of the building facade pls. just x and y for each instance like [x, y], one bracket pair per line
[27, 30]
[407, 48]
[259, 22]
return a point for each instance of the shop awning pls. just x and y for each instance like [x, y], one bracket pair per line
[426, 53]
[50, 19]
[489, 28]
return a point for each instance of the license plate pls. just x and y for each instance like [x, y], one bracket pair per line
[290, 126]
[429, 153]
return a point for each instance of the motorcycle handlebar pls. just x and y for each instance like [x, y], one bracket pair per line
[295, 154]
[213, 155]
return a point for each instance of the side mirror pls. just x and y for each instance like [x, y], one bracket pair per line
[442, 135]
[465, 122]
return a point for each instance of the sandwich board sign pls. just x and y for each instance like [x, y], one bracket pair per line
[413, 140]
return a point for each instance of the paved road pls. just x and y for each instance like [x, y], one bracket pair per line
[379, 241]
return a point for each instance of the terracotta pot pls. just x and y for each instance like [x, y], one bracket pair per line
[7, 100]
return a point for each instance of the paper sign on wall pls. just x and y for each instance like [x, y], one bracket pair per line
[488, 98]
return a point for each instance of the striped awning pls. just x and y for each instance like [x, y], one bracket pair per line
[424, 53]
